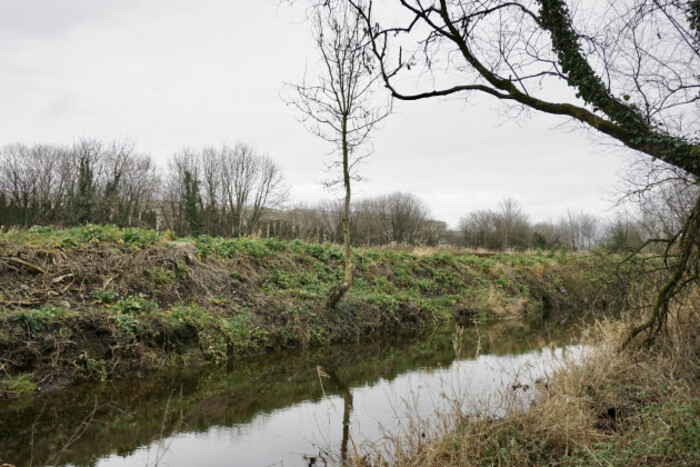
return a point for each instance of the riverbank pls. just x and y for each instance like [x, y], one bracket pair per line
[102, 302]
[631, 407]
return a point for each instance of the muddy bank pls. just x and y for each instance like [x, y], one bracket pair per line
[101, 302]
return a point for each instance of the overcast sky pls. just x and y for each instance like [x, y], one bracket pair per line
[170, 73]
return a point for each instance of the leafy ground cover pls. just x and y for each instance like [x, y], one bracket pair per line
[101, 302]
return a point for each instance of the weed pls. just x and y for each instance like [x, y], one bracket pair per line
[105, 296]
[186, 315]
[37, 321]
[428, 285]
[139, 238]
[128, 323]
[16, 386]
[135, 304]
[161, 276]
[658, 433]
[324, 252]
[213, 345]
[95, 368]
[243, 336]
[181, 271]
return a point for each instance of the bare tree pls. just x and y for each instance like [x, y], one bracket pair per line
[579, 231]
[212, 190]
[124, 183]
[662, 194]
[26, 177]
[404, 215]
[173, 210]
[368, 224]
[251, 183]
[331, 217]
[270, 192]
[512, 223]
[340, 105]
[622, 234]
[632, 66]
[235, 187]
[239, 169]
[497, 230]
[479, 229]
[88, 182]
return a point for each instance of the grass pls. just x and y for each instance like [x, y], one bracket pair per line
[102, 302]
[632, 407]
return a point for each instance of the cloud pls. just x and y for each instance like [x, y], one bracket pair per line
[172, 74]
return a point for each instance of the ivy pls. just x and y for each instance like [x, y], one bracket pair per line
[635, 131]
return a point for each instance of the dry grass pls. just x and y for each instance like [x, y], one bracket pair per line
[445, 248]
[636, 407]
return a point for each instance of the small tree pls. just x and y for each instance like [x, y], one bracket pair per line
[339, 107]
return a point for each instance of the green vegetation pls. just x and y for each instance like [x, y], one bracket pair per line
[18, 385]
[88, 235]
[101, 302]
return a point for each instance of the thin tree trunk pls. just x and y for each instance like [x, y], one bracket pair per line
[689, 237]
[338, 290]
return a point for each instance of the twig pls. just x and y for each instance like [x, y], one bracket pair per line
[31, 266]
[61, 278]
[33, 301]
[78, 433]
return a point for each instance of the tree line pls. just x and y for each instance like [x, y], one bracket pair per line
[657, 213]
[236, 190]
[224, 191]
[88, 182]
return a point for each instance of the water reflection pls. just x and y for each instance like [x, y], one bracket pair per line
[347, 411]
[273, 410]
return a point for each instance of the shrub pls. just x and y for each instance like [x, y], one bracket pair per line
[135, 304]
[105, 296]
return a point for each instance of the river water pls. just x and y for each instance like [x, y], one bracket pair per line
[285, 409]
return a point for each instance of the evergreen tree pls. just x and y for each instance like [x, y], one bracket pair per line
[84, 196]
[193, 204]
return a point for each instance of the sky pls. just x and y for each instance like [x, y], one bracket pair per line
[169, 74]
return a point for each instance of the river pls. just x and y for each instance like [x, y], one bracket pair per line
[288, 408]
